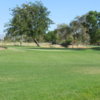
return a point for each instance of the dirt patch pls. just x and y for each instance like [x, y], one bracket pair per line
[1, 48]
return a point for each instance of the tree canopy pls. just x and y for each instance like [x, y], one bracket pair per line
[30, 19]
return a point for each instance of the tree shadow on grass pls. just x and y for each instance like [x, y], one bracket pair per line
[73, 49]
[96, 48]
[39, 48]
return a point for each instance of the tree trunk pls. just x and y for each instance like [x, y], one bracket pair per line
[36, 42]
[21, 40]
[20, 43]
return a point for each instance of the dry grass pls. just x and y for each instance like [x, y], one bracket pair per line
[78, 46]
[45, 45]
[6, 79]
[88, 70]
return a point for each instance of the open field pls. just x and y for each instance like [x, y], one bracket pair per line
[28, 73]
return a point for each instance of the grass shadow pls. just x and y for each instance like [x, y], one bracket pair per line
[53, 48]
[40, 48]
[96, 48]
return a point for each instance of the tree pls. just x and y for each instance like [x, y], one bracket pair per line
[30, 19]
[63, 32]
[51, 37]
[92, 23]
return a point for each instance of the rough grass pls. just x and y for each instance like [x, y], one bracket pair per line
[49, 74]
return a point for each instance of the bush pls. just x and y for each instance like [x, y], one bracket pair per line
[66, 43]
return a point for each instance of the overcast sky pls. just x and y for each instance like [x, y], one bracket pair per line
[62, 11]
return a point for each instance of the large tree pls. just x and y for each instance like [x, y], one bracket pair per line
[79, 31]
[63, 32]
[91, 22]
[30, 19]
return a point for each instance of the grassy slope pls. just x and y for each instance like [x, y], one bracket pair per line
[39, 74]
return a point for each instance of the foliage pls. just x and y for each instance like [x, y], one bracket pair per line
[66, 43]
[51, 37]
[30, 19]
[93, 24]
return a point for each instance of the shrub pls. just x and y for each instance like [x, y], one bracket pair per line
[66, 43]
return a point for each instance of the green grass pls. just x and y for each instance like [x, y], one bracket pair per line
[49, 74]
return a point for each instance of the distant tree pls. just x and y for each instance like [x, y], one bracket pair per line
[51, 37]
[30, 19]
[79, 31]
[93, 24]
[60, 26]
[63, 32]
[91, 21]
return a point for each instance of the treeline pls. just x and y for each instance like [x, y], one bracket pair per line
[31, 21]
[83, 29]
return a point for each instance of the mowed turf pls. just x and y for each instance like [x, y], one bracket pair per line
[49, 74]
